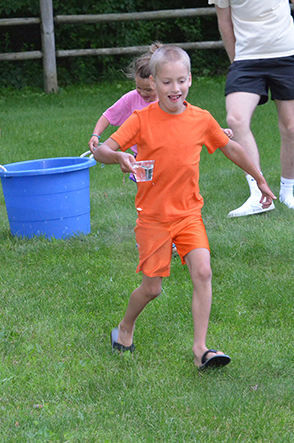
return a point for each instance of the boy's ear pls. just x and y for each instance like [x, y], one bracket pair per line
[152, 81]
[190, 79]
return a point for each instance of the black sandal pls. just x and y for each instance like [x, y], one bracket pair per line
[119, 346]
[218, 360]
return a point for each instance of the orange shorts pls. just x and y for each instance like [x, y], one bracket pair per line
[155, 240]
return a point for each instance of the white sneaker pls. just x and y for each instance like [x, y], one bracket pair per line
[288, 201]
[250, 207]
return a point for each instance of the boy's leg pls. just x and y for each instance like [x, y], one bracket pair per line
[154, 246]
[198, 262]
[149, 289]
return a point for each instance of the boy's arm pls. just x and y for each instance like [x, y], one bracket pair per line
[108, 153]
[226, 30]
[234, 152]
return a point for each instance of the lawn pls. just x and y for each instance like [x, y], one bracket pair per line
[60, 380]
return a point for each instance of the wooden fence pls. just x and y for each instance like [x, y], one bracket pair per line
[49, 53]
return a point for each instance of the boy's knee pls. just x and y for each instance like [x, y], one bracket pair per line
[204, 273]
[154, 292]
[151, 288]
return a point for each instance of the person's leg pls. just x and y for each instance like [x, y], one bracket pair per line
[154, 247]
[240, 108]
[149, 289]
[285, 110]
[198, 262]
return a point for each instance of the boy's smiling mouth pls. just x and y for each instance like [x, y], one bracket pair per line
[174, 98]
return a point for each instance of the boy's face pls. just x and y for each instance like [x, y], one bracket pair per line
[144, 88]
[172, 83]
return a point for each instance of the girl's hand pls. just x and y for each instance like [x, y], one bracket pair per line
[93, 143]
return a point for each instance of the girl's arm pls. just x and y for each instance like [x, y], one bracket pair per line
[101, 125]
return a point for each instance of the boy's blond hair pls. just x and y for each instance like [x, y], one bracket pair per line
[166, 54]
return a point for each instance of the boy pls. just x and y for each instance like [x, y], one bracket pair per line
[172, 133]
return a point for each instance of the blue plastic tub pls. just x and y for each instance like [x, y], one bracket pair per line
[49, 197]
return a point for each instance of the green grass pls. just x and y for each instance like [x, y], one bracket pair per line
[60, 381]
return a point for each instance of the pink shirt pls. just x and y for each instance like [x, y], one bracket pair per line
[123, 108]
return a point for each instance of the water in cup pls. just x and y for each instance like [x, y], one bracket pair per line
[144, 170]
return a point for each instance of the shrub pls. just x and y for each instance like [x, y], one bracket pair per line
[116, 34]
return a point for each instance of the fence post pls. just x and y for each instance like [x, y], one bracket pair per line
[48, 46]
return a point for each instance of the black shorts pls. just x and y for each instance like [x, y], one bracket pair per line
[260, 76]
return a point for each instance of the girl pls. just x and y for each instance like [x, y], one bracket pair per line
[137, 99]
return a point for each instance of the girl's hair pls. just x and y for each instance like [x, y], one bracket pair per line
[141, 65]
[168, 53]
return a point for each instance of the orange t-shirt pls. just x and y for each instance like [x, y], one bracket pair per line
[175, 143]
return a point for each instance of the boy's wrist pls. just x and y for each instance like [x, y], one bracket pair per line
[95, 135]
[261, 181]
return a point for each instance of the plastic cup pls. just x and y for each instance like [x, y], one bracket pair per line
[144, 170]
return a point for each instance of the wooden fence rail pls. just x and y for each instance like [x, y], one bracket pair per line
[133, 16]
[49, 53]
